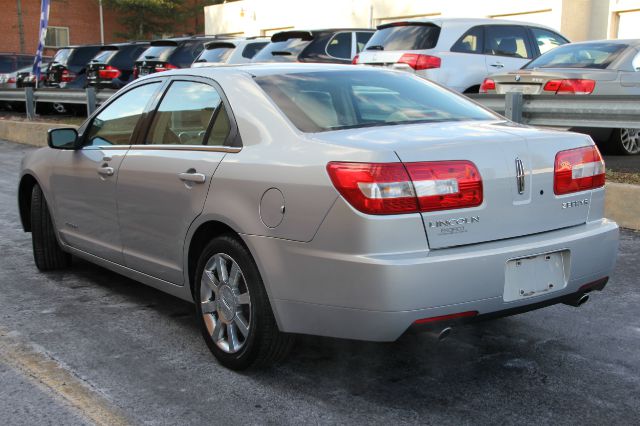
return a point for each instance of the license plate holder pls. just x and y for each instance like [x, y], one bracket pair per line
[536, 275]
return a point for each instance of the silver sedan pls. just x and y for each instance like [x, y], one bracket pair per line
[330, 200]
[607, 67]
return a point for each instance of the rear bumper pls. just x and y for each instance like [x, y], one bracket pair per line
[380, 297]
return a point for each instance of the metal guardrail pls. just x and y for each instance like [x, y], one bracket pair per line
[539, 110]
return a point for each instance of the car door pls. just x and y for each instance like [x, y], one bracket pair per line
[630, 80]
[84, 180]
[163, 184]
[506, 47]
[467, 54]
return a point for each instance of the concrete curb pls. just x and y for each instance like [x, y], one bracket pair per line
[622, 201]
[622, 204]
[28, 132]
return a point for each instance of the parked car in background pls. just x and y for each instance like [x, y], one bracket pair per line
[11, 62]
[232, 51]
[168, 54]
[112, 67]
[606, 67]
[26, 78]
[323, 199]
[338, 45]
[458, 53]
[69, 66]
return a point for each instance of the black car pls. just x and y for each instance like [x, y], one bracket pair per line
[10, 62]
[26, 78]
[69, 66]
[338, 45]
[164, 55]
[113, 66]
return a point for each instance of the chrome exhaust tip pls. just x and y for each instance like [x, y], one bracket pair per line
[578, 301]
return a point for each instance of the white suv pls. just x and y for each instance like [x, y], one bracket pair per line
[458, 53]
[230, 51]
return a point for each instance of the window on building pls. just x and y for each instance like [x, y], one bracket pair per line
[57, 37]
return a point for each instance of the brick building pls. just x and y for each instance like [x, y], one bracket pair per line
[70, 22]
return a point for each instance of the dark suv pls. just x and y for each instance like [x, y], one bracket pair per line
[172, 53]
[112, 67]
[332, 45]
[69, 66]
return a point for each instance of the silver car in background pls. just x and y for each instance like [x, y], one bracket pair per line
[230, 51]
[321, 199]
[606, 67]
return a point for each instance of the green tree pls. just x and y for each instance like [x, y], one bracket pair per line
[143, 18]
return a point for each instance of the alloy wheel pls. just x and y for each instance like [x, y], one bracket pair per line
[630, 140]
[225, 303]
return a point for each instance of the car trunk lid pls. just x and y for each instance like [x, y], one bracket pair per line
[532, 82]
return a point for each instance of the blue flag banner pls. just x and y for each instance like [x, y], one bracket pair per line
[44, 22]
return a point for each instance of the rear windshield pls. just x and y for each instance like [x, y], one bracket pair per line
[251, 49]
[282, 51]
[81, 56]
[157, 53]
[61, 56]
[322, 101]
[405, 37]
[8, 64]
[186, 52]
[126, 56]
[219, 54]
[103, 56]
[597, 56]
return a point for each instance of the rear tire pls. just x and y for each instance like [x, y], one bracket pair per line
[625, 141]
[233, 306]
[47, 253]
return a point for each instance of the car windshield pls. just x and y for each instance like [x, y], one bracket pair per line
[408, 36]
[282, 51]
[334, 100]
[596, 55]
[217, 54]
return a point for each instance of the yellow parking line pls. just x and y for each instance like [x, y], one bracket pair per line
[44, 370]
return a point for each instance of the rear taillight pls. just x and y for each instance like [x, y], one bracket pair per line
[11, 80]
[578, 169]
[109, 72]
[165, 67]
[354, 61]
[570, 87]
[394, 188]
[487, 85]
[420, 62]
[67, 76]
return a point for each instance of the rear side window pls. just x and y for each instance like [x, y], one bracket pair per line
[405, 37]
[218, 54]
[116, 123]
[185, 113]
[547, 40]
[506, 40]
[282, 51]
[470, 42]
[362, 38]
[334, 100]
[184, 54]
[251, 49]
[340, 45]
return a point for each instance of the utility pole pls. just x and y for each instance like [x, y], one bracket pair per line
[101, 23]
[20, 25]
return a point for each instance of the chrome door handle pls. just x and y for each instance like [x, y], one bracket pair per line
[106, 171]
[192, 177]
[497, 65]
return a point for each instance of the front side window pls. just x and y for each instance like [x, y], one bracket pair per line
[116, 123]
[184, 116]
[471, 42]
[322, 101]
[506, 40]
[547, 40]
[340, 46]
[579, 55]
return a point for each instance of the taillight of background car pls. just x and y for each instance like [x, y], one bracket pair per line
[577, 170]
[420, 62]
[165, 67]
[67, 76]
[394, 188]
[109, 72]
[487, 84]
[570, 86]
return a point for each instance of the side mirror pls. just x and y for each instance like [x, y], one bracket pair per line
[64, 138]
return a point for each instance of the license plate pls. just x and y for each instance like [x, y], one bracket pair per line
[536, 275]
[525, 89]
[144, 71]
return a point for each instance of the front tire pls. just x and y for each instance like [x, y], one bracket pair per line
[47, 252]
[626, 141]
[233, 309]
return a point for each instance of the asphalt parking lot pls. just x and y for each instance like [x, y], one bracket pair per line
[89, 346]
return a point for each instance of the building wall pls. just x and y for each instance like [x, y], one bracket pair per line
[80, 16]
[577, 19]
